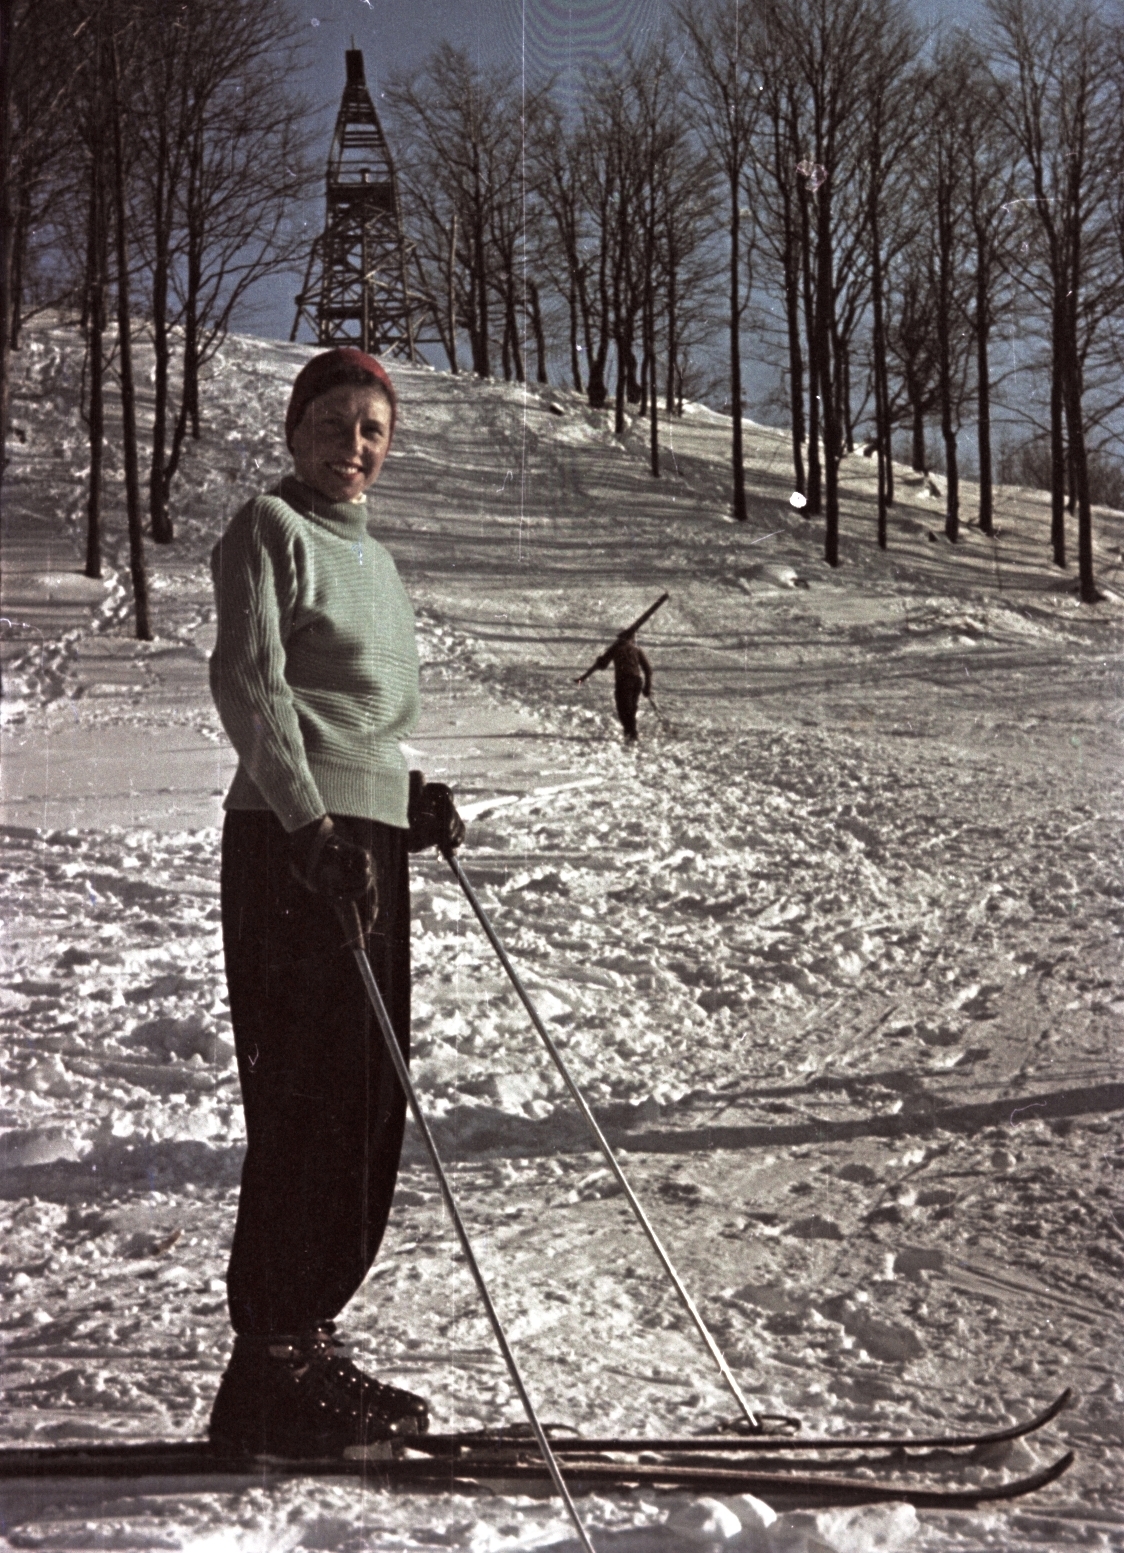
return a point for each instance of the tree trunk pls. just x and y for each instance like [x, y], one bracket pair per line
[917, 458]
[451, 297]
[473, 320]
[948, 435]
[881, 385]
[159, 516]
[624, 351]
[19, 252]
[845, 396]
[511, 326]
[824, 327]
[481, 363]
[128, 390]
[597, 388]
[653, 395]
[94, 309]
[539, 333]
[6, 233]
[635, 393]
[815, 496]
[1075, 428]
[484, 365]
[983, 385]
[575, 362]
[672, 329]
[189, 405]
[189, 386]
[741, 513]
[795, 359]
[1057, 443]
[952, 485]
[622, 391]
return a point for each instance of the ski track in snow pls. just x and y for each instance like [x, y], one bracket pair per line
[835, 955]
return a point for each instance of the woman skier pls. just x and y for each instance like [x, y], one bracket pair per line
[315, 676]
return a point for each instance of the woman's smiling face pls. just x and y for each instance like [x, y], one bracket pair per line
[341, 441]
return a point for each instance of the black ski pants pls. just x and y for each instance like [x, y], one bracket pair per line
[626, 689]
[324, 1109]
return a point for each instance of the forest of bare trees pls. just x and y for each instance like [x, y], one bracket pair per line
[815, 184]
[152, 157]
[894, 197]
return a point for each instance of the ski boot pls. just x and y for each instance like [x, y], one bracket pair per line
[403, 1411]
[301, 1397]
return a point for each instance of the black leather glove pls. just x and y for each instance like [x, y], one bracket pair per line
[329, 865]
[432, 815]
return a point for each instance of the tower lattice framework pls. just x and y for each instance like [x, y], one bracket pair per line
[356, 289]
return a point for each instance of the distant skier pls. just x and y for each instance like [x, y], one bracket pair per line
[632, 678]
[632, 672]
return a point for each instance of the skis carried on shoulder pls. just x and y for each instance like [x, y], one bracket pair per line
[724, 1463]
[626, 635]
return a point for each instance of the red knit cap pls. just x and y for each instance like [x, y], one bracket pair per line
[329, 370]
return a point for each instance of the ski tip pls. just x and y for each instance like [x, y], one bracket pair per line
[1058, 1405]
[1034, 1481]
[1031, 1425]
[1054, 1471]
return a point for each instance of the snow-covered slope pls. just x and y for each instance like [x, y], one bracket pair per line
[835, 953]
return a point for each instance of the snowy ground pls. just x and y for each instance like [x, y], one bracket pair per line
[835, 954]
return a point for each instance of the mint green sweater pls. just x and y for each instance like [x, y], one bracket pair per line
[315, 670]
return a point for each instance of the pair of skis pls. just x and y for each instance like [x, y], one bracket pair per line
[713, 1464]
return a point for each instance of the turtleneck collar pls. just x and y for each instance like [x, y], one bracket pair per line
[348, 519]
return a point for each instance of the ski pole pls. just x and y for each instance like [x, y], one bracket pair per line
[603, 1144]
[353, 928]
[664, 720]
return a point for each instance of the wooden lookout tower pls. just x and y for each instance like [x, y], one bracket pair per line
[355, 289]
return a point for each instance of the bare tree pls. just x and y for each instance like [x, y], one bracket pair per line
[245, 166]
[554, 157]
[625, 210]
[1054, 66]
[160, 122]
[826, 41]
[121, 39]
[723, 91]
[36, 75]
[599, 169]
[892, 123]
[989, 190]
[911, 342]
[656, 95]
[778, 199]
[687, 216]
[508, 211]
[945, 199]
[92, 134]
[648, 125]
[456, 120]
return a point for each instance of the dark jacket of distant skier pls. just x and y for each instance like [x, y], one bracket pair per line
[315, 676]
[632, 677]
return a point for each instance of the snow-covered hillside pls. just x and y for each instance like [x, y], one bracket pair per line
[835, 953]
